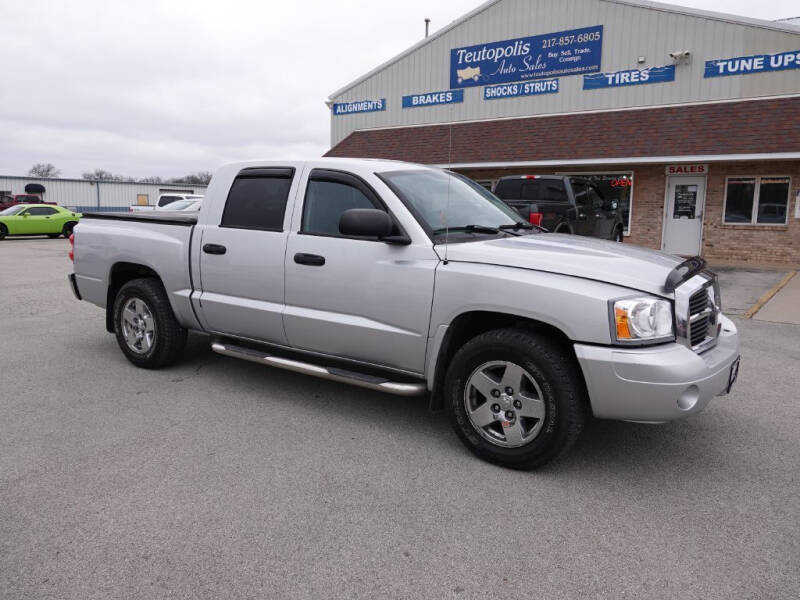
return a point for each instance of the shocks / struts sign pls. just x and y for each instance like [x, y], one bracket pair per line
[536, 57]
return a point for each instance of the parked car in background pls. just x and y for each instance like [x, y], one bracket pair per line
[164, 202]
[37, 219]
[562, 204]
[15, 199]
[410, 280]
[188, 205]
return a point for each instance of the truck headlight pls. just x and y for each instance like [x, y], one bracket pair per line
[641, 320]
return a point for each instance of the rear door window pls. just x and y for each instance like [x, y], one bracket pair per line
[257, 200]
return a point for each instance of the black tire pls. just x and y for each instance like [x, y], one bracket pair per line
[3, 231]
[563, 229]
[169, 338]
[67, 231]
[619, 235]
[558, 377]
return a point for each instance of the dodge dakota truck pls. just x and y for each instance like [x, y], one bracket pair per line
[414, 280]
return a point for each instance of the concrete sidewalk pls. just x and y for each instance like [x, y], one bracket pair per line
[784, 305]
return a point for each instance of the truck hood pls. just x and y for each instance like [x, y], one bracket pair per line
[621, 264]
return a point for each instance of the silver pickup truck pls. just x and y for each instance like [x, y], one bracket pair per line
[413, 280]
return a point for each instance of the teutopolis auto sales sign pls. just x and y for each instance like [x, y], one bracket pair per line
[539, 56]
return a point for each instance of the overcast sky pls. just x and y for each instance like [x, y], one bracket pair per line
[165, 88]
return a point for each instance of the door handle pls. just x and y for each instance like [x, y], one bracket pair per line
[214, 249]
[314, 260]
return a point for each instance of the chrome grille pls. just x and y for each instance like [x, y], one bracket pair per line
[697, 309]
[700, 310]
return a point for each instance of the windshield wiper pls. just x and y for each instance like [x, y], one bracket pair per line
[523, 225]
[469, 229]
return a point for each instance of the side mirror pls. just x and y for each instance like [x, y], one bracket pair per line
[366, 222]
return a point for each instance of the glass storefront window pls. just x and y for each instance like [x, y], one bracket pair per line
[614, 187]
[754, 200]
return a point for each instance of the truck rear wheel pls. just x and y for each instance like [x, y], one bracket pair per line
[146, 329]
[515, 398]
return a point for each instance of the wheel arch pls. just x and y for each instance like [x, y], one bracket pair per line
[120, 274]
[563, 227]
[470, 324]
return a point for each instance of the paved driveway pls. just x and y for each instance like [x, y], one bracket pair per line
[223, 479]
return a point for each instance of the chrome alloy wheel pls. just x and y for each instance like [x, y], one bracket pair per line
[138, 326]
[504, 403]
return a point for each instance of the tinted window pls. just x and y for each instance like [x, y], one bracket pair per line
[773, 200]
[509, 189]
[544, 190]
[739, 199]
[595, 198]
[41, 210]
[257, 203]
[581, 194]
[326, 201]
[164, 200]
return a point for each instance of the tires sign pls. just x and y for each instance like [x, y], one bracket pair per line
[541, 56]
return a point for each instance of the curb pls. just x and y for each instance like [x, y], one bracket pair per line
[751, 312]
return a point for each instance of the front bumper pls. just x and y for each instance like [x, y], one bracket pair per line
[657, 384]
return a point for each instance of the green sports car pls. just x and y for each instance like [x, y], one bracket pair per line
[37, 219]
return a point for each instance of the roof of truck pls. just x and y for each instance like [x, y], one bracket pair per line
[372, 164]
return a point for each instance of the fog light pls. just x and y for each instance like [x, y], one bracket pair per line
[689, 398]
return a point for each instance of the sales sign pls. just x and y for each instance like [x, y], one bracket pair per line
[431, 98]
[536, 57]
[596, 81]
[527, 88]
[758, 63]
[359, 106]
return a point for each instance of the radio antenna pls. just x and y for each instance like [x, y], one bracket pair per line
[449, 179]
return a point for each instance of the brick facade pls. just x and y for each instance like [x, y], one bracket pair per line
[746, 127]
[751, 127]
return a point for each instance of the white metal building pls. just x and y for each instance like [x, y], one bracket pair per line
[661, 104]
[84, 195]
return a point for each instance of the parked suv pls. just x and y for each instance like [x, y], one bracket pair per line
[562, 204]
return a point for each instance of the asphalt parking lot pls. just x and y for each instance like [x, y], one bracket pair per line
[219, 478]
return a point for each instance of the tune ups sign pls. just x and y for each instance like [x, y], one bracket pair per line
[758, 63]
[536, 57]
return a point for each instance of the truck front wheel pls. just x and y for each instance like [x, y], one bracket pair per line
[146, 329]
[515, 398]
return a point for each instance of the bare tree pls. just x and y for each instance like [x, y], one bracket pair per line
[154, 179]
[199, 178]
[44, 170]
[102, 175]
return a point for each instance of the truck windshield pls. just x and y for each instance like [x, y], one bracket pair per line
[442, 200]
[12, 210]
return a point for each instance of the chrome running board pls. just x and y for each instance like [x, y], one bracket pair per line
[363, 380]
